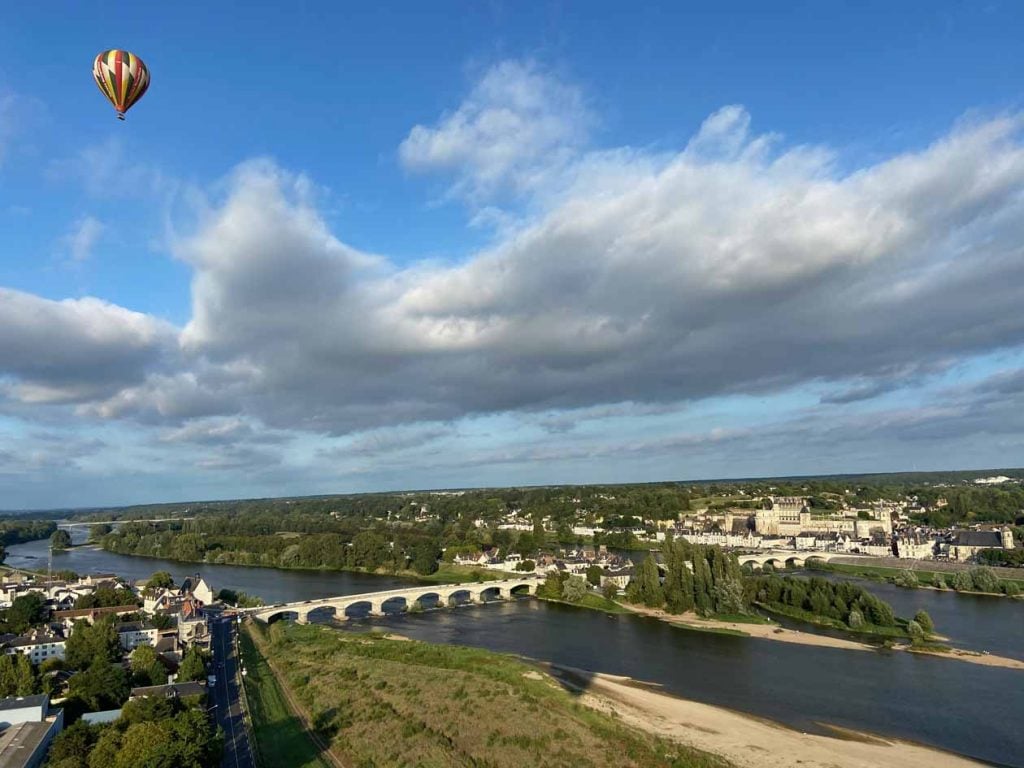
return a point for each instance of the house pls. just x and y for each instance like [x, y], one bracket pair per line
[196, 586]
[39, 645]
[135, 633]
[68, 618]
[965, 545]
[619, 577]
[27, 726]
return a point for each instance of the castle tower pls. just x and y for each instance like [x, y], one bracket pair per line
[1007, 536]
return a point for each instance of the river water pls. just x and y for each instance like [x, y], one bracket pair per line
[962, 707]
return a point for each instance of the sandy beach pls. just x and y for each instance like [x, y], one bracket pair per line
[743, 739]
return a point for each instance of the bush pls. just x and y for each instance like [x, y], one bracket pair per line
[924, 621]
[526, 565]
[856, 619]
[574, 589]
[1011, 588]
[939, 581]
[914, 629]
[611, 591]
[962, 581]
[907, 579]
[985, 579]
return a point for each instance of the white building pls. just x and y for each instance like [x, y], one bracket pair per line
[135, 633]
[37, 645]
[27, 726]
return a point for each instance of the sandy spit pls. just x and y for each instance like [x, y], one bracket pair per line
[783, 635]
[743, 739]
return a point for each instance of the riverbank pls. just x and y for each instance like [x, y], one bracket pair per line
[742, 739]
[447, 573]
[926, 576]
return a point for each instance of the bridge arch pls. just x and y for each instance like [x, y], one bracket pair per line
[490, 593]
[358, 609]
[285, 614]
[460, 597]
[322, 613]
[521, 590]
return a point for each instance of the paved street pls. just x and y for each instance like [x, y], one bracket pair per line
[226, 695]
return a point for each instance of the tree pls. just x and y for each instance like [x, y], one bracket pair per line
[192, 666]
[526, 566]
[610, 590]
[146, 667]
[647, 584]
[1011, 588]
[102, 686]
[962, 581]
[160, 580]
[149, 709]
[369, 550]
[924, 621]
[26, 611]
[60, 540]
[98, 531]
[71, 746]
[855, 619]
[907, 578]
[984, 579]
[425, 555]
[91, 641]
[574, 589]
[915, 630]
[25, 683]
[939, 581]
[594, 573]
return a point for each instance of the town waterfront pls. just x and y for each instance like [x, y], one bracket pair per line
[961, 707]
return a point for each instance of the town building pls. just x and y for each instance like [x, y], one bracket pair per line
[38, 644]
[27, 726]
[965, 545]
[135, 633]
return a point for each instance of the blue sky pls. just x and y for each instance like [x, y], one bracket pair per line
[342, 247]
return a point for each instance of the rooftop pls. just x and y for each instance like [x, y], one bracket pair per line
[19, 741]
[24, 702]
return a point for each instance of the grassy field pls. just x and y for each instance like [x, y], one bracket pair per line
[390, 702]
[449, 573]
[886, 573]
[281, 739]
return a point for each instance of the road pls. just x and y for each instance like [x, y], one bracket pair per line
[226, 696]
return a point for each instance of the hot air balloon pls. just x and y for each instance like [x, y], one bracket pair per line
[122, 77]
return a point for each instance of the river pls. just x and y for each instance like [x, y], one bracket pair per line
[961, 707]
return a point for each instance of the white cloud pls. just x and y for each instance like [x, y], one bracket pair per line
[517, 128]
[82, 238]
[735, 264]
[76, 349]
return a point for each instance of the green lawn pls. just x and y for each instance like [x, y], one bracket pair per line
[281, 739]
[449, 573]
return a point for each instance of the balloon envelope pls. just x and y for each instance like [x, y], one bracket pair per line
[122, 77]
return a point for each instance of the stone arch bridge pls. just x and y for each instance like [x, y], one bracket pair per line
[786, 558]
[476, 592]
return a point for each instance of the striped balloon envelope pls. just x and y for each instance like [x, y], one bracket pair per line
[122, 77]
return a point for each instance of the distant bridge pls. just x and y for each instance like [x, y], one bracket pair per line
[786, 558]
[476, 592]
[72, 524]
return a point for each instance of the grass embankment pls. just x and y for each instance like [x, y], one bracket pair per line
[281, 738]
[592, 601]
[888, 574]
[382, 701]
